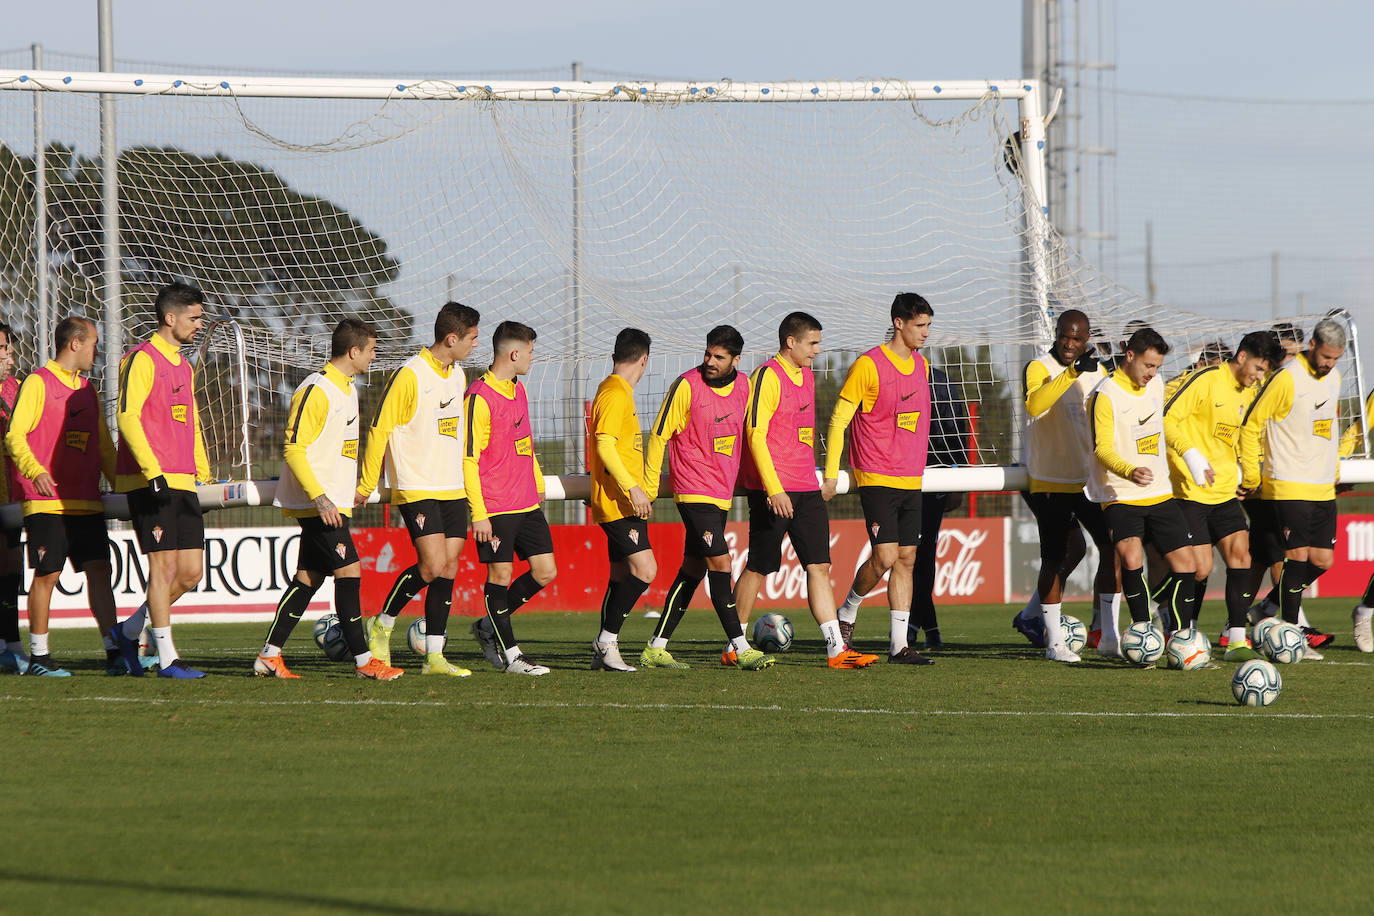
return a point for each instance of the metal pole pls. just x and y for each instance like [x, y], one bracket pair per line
[1149, 262]
[40, 220]
[109, 180]
[576, 438]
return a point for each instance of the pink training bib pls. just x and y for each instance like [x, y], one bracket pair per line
[791, 433]
[506, 466]
[168, 417]
[66, 441]
[893, 437]
[704, 459]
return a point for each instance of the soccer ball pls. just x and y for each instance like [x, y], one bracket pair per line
[1075, 634]
[1258, 630]
[1188, 650]
[1142, 643]
[416, 637]
[773, 633]
[1256, 683]
[1283, 643]
[329, 637]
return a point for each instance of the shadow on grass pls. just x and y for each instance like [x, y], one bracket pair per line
[227, 894]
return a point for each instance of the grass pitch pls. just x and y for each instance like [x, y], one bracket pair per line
[992, 781]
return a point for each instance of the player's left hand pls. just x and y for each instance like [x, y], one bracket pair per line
[828, 488]
[360, 498]
[780, 504]
[45, 485]
[643, 505]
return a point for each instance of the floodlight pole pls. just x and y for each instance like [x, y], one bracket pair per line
[109, 184]
[40, 221]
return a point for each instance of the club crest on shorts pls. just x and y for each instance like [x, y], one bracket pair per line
[634, 536]
[42, 552]
[420, 520]
[340, 550]
[157, 534]
[706, 538]
[875, 529]
[495, 544]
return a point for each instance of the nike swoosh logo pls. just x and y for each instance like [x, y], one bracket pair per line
[1220, 404]
[443, 404]
[78, 410]
[178, 388]
[806, 405]
[722, 419]
[1146, 420]
[351, 422]
[520, 422]
[1319, 406]
[906, 397]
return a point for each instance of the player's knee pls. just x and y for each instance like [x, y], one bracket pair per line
[643, 566]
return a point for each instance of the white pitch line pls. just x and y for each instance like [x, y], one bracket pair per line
[711, 707]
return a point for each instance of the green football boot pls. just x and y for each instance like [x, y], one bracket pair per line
[435, 663]
[659, 658]
[378, 639]
[752, 659]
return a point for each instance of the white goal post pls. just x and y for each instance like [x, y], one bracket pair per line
[576, 207]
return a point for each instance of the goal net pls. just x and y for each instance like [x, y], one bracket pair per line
[578, 209]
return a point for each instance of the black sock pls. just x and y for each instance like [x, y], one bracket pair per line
[1238, 596]
[292, 605]
[438, 601]
[679, 594]
[622, 602]
[1368, 599]
[348, 605]
[611, 585]
[1183, 600]
[498, 611]
[406, 586]
[1292, 582]
[1311, 574]
[9, 606]
[1199, 590]
[522, 590]
[723, 600]
[1136, 593]
[1273, 596]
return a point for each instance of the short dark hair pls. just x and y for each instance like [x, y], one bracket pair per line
[7, 331]
[176, 297]
[630, 345]
[1147, 338]
[454, 318]
[73, 327]
[1287, 330]
[1214, 351]
[727, 338]
[907, 306]
[511, 331]
[1263, 344]
[795, 325]
[350, 333]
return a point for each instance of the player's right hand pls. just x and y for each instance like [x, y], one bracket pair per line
[360, 498]
[1142, 477]
[329, 513]
[161, 492]
[643, 505]
[780, 504]
[1086, 363]
[828, 488]
[481, 531]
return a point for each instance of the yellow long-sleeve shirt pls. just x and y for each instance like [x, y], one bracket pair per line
[617, 460]
[398, 407]
[672, 419]
[1350, 439]
[136, 379]
[1275, 402]
[479, 437]
[28, 411]
[304, 422]
[1108, 445]
[1057, 444]
[1206, 412]
[860, 392]
[767, 395]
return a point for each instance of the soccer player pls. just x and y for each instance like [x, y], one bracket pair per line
[1130, 479]
[318, 481]
[1059, 461]
[701, 426]
[1202, 428]
[779, 477]
[886, 397]
[418, 437]
[160, 457]
[620, 504]
[1293, 422]
[505, 489]
[61, 445]
[949, 427]
[12, 655]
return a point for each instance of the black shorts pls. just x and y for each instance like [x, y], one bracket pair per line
[179, 525]
[522, 534]
[809, 528]
[448, 517]
[1162, 525]
[625, 536]
[705, 526]
[1266, 534]
[323, 548]
[1306, 522]
[55, 539]
[892, 515]
[1057, 514]
[1213, 521]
